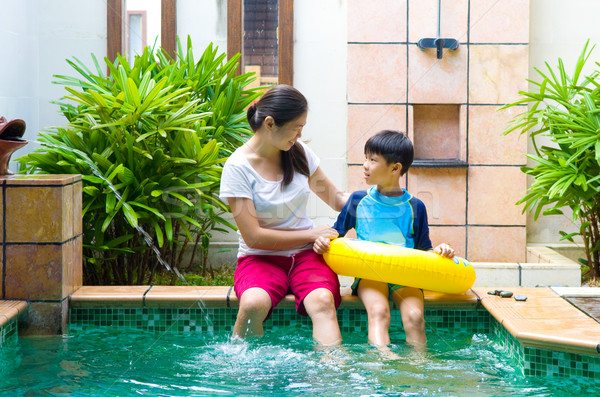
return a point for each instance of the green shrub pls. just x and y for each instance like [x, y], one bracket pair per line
[149, 140]
[566, 110]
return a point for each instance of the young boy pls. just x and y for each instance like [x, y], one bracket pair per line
[389, 214]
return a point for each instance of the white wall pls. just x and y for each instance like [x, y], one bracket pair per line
[559, 28]
[320, 59]
[36, 37]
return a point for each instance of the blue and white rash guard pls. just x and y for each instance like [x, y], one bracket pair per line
[399, 220]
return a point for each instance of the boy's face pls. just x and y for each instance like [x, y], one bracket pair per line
[377, 171]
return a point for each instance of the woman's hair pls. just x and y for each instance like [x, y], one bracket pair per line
[284, 104]
[393, 146]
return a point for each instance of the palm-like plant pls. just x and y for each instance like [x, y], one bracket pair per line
[148, 140]
[566, 110]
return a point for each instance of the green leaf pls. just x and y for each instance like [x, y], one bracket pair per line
[130, 215]
[160, 240]
[149, 209]
[169, 229]
[181, 197]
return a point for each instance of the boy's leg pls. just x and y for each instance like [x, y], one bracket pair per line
[412, 309]
[374, 295]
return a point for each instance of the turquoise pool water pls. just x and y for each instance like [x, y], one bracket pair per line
[122, 362]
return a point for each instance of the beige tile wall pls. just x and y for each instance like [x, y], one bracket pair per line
[470, 206]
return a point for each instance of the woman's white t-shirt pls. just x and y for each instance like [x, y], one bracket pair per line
[277, 207]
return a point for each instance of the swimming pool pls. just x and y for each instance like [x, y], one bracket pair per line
[188, 352]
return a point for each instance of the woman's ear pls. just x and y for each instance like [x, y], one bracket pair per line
[269, 122]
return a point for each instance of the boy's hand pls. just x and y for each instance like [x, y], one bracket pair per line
[321, 245]
[444, 250]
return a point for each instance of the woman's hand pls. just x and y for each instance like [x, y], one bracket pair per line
[324, 231]
[444, 250]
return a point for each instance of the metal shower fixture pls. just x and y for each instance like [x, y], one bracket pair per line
[438, 42]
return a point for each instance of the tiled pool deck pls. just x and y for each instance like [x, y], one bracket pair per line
[545, 334]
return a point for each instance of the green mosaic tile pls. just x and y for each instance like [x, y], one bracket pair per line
[473, 321]
[222, 319]
[8, 333]
[541, 362]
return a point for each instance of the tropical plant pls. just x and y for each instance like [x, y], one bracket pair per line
[149, 140]
[565, 110]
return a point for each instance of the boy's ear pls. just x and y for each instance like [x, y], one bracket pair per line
[397, 168]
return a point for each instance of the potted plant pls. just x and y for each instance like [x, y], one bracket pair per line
[565, 110]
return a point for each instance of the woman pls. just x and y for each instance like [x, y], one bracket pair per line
[267, 182]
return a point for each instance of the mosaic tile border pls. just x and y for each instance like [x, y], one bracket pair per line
[182, 320]
[541, 362]
[8, 333]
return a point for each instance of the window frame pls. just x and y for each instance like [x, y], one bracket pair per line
[115, 27]
[235, 31]
[143, 16]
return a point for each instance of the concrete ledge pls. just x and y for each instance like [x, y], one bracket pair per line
[114, 296]
[492, 273]
[580, 292]
[222, 296]
[544, 267]
[559, 273]
[544, 321]
[10, 309]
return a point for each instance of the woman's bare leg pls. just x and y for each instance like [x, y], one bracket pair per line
[320, 306]
[255, 304]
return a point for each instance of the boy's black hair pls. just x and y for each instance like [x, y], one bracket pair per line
[393, 146]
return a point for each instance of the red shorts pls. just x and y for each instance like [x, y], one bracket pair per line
[298, 274]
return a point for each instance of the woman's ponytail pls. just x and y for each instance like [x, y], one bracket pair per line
[250, 115]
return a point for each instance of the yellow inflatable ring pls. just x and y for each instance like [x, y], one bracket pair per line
[398, 265]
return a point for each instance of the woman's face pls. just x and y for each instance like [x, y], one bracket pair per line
[285, 136]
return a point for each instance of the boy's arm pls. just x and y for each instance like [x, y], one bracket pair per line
[421, 226]
[422, 240]
[346, 220]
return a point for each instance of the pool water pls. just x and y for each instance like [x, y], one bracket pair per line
[285, 362]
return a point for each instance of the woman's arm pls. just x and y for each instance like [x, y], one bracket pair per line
[326, 190]
[258, 237]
